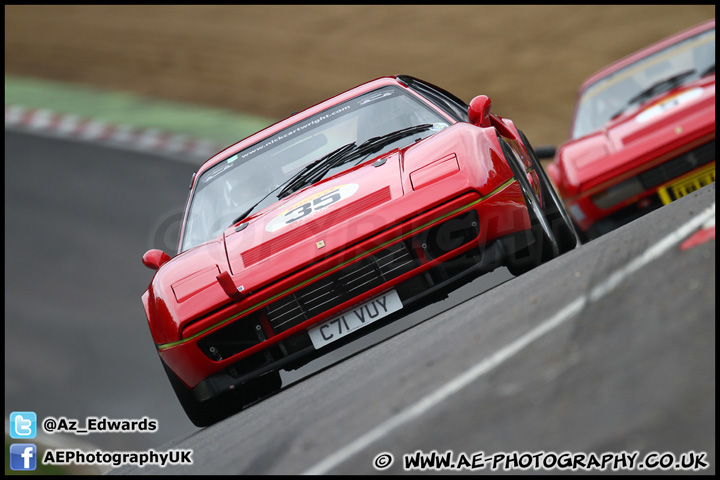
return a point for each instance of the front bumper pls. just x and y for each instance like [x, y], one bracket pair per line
[595, 212]
[425, 292]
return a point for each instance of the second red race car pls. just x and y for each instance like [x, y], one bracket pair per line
[334, 221]
[643, 133]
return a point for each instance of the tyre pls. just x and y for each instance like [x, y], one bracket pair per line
[543, 245]
[562, 226]
[208, 412]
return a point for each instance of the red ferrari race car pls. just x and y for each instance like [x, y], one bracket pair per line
[642, 135]
[334, 221]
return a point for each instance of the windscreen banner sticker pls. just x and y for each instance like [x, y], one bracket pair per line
[311, 206]
[297, 128]
[668, 104]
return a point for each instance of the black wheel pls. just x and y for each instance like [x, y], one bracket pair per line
[205, 413]
[543, 245]
[561, 223]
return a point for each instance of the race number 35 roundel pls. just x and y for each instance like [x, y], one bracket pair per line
[312, 205]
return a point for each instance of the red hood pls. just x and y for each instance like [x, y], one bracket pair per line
[628, 142]
[314, 222]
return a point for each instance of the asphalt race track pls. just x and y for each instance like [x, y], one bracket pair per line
[610, 348]
[73, 294]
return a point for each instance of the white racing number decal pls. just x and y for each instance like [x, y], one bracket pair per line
[312, 205]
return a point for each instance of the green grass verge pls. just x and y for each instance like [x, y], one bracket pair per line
[123, 108]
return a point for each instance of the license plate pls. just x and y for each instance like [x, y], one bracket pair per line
[355, 319]
[687, 184]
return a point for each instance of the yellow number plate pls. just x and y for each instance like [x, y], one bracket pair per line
[687, 184]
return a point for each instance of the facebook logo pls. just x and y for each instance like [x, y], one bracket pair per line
[23, 456]
[23, 425]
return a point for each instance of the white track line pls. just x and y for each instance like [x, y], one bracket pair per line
[489, 363]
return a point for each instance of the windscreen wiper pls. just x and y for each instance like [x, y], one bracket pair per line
[292, 180]
[657, 87]
[248, 211]
[314, 169]
[342, 156]
[662, 85]
[376, 143]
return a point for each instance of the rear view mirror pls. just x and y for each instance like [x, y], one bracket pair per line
[154, 259]
[479, 111]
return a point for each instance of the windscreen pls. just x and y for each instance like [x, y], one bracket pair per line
[240, 181]
[685, 61]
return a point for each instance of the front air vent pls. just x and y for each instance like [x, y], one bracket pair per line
[340, 287]
[678, 166]
[236, 337]
[370, 272]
